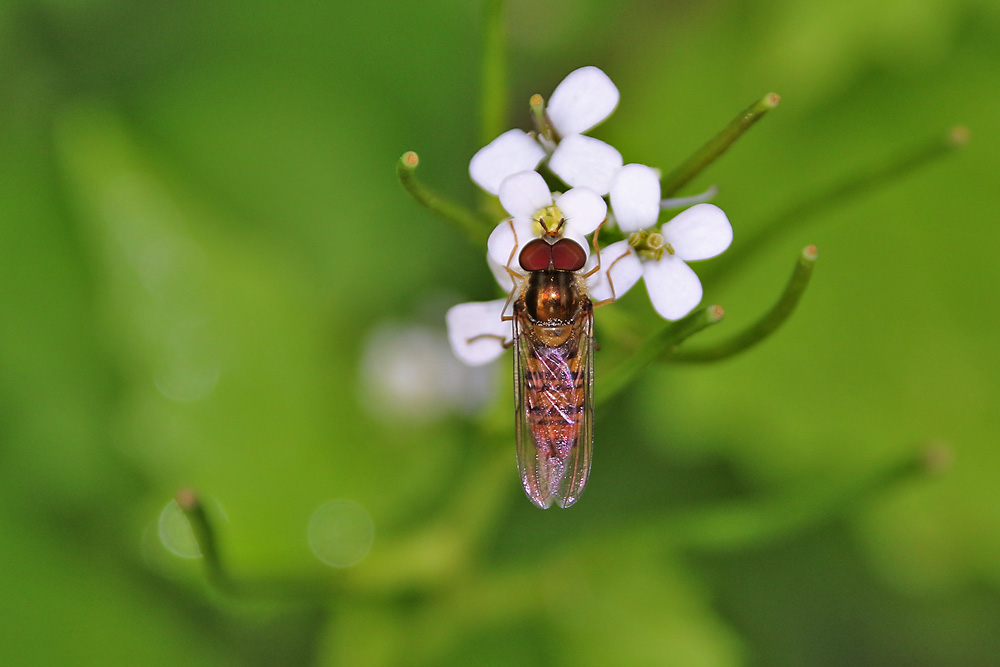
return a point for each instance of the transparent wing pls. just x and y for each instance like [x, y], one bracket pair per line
[527, 459]
[578, 461]
[554, 389]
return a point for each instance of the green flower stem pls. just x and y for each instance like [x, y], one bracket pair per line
[868, 180]
[204, 535]
[428, 558]
[755, 523]
[424, 559]
[475, 228]
[718, 145]
[318, 591]
[543, 126]
[494, 72]
[495, 92]
[657, 347]
[766, 325]
[508, 591]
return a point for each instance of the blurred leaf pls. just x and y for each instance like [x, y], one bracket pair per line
[70, 609]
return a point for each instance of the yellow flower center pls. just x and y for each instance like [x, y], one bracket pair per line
[549, 221]
[650, 245]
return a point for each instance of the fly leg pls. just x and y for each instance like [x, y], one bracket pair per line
[507, 344]
[611, 284]
[515, 277]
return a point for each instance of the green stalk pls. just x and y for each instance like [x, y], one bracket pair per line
[867, 181]
[754, 523]
[766, 325]
[306, 591]
[656, 347]
[716, 146]
[475, 228]
[494, 72]
[204, 535]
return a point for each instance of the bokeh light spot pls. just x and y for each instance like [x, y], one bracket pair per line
[175, 532]
[341, 533]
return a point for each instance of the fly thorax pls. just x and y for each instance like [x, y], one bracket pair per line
[551, 297]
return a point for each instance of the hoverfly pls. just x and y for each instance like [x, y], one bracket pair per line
[553, 322]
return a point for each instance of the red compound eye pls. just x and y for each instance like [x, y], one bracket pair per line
[567, 255]
[535, 255]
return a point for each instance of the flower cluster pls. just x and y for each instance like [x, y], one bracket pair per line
[596, 176]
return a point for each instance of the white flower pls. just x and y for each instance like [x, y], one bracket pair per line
[477, 332]
[408, 372]
[585, 98]
[511, 152]
[536, 212]
[659, 257]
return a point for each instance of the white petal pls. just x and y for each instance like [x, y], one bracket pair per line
[499, 272]
[584, 98]
[583, 209]
[635, 197]
[501, 243]
[700, 232]
[582, 160]
[476, 332]
[624, 267]
[674, 288]
[523, 193]
[511, 152]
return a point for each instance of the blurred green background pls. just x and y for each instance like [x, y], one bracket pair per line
[208, 270]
